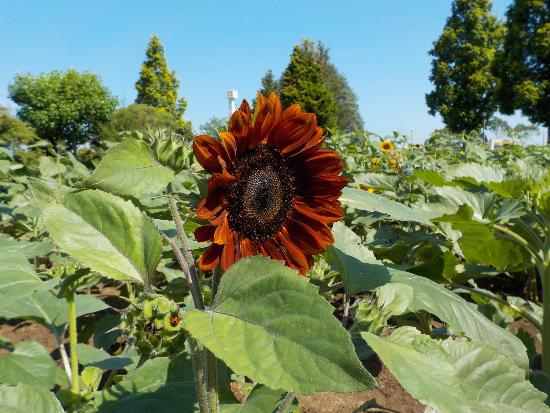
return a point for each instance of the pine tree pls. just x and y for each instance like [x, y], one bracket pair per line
[523, 65]
[348, 117]
[302, 82]
[270, 84]
[461, 67]
[157, 86]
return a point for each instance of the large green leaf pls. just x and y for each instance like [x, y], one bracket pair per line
[26, 399]
[366, 201]
[130, 169]
[46, 308]
[24, 248]
[481, 245]
[29, 363]
[17, 278]
[160, 385]
[269, 324]
[459, 315]
[106, 233]
[456, 375]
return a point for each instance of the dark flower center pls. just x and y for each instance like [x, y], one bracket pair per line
[260, 200]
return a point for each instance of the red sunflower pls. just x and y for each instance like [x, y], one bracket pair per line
[273, 190]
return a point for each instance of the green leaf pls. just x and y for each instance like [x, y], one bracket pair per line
[456, 375]
[366, 201]
[477, 171]
[106, 233]
[160, 385]
[130, 169]
[24, 248]
[459, 315]
[30, 364]
[269, 324]
[481, 245]
[17, 278]
[46, 308]
[262, 399]
[24, 399]
[346, 240]
[49, 167]
[96, 357]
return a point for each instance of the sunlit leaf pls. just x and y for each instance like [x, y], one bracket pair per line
[269, 324]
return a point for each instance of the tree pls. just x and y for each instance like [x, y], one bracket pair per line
[461, 67]
[270, 84]
[15, 131]
[499, 127]
[302, 82]
[523, 64]
[213, 125]
[157, 86]
[63, 107]
[137, 116]
[348, 117]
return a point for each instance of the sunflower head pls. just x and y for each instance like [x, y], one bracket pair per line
[273, 190]
[386, 146]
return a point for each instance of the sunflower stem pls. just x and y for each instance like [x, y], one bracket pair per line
[285, 403]
[211, 361]
[72, 344]
[199, 374]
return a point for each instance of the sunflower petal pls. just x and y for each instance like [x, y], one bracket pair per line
[211, 257]
[209, 153]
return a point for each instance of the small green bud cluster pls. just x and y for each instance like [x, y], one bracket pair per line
[369, 317]
[154, 326]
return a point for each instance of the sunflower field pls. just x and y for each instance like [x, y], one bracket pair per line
[248, 271]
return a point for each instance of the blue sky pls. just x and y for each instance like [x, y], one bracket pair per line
[380, 46]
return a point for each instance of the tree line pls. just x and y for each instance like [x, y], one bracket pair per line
[71, 108]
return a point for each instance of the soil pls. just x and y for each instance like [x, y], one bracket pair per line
[389, 396]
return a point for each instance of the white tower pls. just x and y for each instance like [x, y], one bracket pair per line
[231, 96]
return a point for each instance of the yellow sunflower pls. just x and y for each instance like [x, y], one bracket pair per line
[386, 146]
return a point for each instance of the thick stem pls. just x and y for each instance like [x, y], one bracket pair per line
[345, 315]
[65, 361]
[200, 376]
[285, 403]
[72, 344]
[212, 381]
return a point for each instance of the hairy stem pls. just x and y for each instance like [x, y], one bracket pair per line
[212, 381]
[72, 344]
[285, 403]
[199, 374]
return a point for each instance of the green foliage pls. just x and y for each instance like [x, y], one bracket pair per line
[348, 117]
[161, 384]
[138, 117]
[103, 231]
[24, 398]
[270, 84]
[30, 364]
[157, 86]
[523, 64]
[463, 376]
[213, 125]
[302, 82]
[461, 68]
[130, 169]
[256, 321]
[15, 131]
[63, 107]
